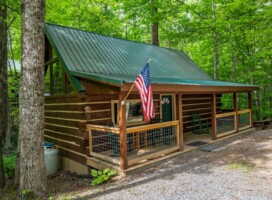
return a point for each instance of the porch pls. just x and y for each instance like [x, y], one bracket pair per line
[127, 148]
[141, 143]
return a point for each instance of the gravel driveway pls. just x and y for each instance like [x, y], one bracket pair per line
[242, 169]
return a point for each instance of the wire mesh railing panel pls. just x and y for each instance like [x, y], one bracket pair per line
[105, 143]
[225, 124]
[151, 141]
[143, 142]
[244, 120]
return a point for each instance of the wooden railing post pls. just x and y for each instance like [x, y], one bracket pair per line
[214, 128]
[250, 107]
[235, 108]
[123, 134]
[180, 131]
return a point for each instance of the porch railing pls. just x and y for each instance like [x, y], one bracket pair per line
[151, 141]
[143, 142]
[226, 123]
[231, 122]
[244, 117]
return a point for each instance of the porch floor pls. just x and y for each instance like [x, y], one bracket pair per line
[189, 138]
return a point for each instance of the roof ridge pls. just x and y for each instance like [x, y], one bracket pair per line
[78, 29]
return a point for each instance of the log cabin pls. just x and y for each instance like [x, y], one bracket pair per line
[87, 75]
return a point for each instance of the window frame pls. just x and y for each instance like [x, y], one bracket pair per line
[117, 120]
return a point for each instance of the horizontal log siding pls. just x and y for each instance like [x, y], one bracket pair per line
[65, 125]
[200, 104]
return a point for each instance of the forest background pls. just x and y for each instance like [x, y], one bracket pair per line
[229, 39]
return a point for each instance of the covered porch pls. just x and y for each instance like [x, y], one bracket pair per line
[126, 147]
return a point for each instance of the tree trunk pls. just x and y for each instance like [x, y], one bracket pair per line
[215, 51]
[2, 173]
[31, 101]
[3, 83]
[8, 144]
[155, 26]
[155, 34]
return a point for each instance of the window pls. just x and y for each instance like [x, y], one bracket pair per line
[134, 112]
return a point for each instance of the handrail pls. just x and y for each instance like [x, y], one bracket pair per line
[151, 126]
[244, 111]
[225, 114]
[103, 128]
[131, 129]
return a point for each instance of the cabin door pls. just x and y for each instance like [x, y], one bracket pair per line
[167, 113]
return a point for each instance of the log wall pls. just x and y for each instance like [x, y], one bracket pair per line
[65, 121]
[197, 104]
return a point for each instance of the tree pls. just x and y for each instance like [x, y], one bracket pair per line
[3, 84]
[31, 101]
[155, 25]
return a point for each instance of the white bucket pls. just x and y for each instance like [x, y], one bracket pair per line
[51, 160]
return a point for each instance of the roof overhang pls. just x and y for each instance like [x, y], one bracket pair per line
[193, 89]
[181, 86]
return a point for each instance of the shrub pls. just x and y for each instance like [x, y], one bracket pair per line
[101, 176]
[9, 165]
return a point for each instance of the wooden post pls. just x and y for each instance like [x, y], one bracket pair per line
[123, 134]
[214, 128]
[250, 107]
[235, 108]
[179, 115]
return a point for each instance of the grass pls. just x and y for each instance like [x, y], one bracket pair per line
[242, 165]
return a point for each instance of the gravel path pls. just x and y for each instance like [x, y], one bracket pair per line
[242, 170]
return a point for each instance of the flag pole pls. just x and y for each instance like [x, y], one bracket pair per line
[124, 101]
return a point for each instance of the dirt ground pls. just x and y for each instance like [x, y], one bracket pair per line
[248, 155]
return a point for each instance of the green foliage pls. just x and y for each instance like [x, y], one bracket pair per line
[101, 176]
[9, 165]
[25, 192]
[28, 195]
[243, 29]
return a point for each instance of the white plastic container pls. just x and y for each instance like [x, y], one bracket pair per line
[51, 160]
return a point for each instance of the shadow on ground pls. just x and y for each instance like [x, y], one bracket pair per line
[254, 148]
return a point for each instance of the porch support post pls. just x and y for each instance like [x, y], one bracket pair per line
[235, 108]
[214, 128]
[179, 109]
[250, 107]
[123, 133]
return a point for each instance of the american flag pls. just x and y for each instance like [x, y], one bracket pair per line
[143, 84]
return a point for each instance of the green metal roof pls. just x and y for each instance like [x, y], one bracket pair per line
[112, 60]
[115, 79]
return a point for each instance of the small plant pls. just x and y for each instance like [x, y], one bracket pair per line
[101, 176]
[27, 194]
